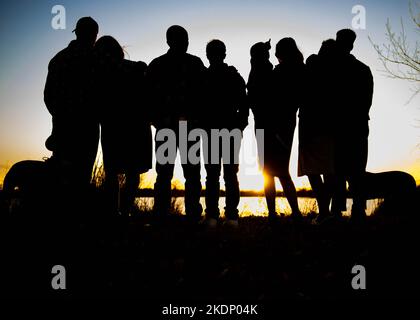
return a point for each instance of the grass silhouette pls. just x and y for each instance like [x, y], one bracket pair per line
[110, 257]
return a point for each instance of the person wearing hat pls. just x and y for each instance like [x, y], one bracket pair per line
[75, 133]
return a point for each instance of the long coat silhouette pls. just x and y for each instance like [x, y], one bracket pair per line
[319, 112]
[356, 90]
[125, 129]
[120, 100]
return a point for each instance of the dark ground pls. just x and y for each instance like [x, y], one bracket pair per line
[113, 258]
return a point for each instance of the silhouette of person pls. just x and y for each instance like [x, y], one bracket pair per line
[317, 121]
[260, 82]
[356, 90]
[226, 109]
[286, 82]
[126, 137]
[75, 134]
[175, 82]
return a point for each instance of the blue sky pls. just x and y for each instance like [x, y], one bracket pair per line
[29, 42]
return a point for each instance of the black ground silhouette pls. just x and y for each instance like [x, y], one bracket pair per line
[109, 257]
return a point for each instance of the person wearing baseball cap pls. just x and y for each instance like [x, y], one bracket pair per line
[86, 29]
[67, 95]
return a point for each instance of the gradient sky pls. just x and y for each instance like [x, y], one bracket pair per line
[28, 42]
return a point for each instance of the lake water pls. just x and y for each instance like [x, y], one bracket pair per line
[256, 206]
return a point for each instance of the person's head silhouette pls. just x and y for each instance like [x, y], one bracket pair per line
[261, 51]
[86, 30]
[216, 52]
[345, 39]
[177, 39]
[287, 51]
[107, 49]
[328, 48]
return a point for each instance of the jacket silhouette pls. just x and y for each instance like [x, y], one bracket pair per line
[225, 98]
[175, 82]
[67, 95]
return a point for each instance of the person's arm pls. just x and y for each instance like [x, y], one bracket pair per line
[199, 93]
[52, 88]
[363, 89]
[369, 90]
[243, 103]
[140, 92]
[152, 93]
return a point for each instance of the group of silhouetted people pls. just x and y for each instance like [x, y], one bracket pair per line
[94, 94]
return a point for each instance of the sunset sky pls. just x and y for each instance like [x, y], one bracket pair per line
[28, 42]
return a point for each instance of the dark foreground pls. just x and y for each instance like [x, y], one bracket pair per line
[176, 262]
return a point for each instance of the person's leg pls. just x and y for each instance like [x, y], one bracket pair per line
[212, 190]
[290, 193]
[230, 175]
[213, 169]
[357, 175]
[192, 175]
[330, 181]
[337, 187]
[162, 187]
[193, 208]
[318, 187]
[81, 152]
[270, 193]
[128, 193]
[337, 182]
[359, 201]
[112, 190]
[84, 154]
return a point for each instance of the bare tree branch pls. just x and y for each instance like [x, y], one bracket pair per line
[399, 59]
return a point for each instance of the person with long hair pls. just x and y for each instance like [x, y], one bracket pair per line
[287, 80]
[125, 129]
[317, 126]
